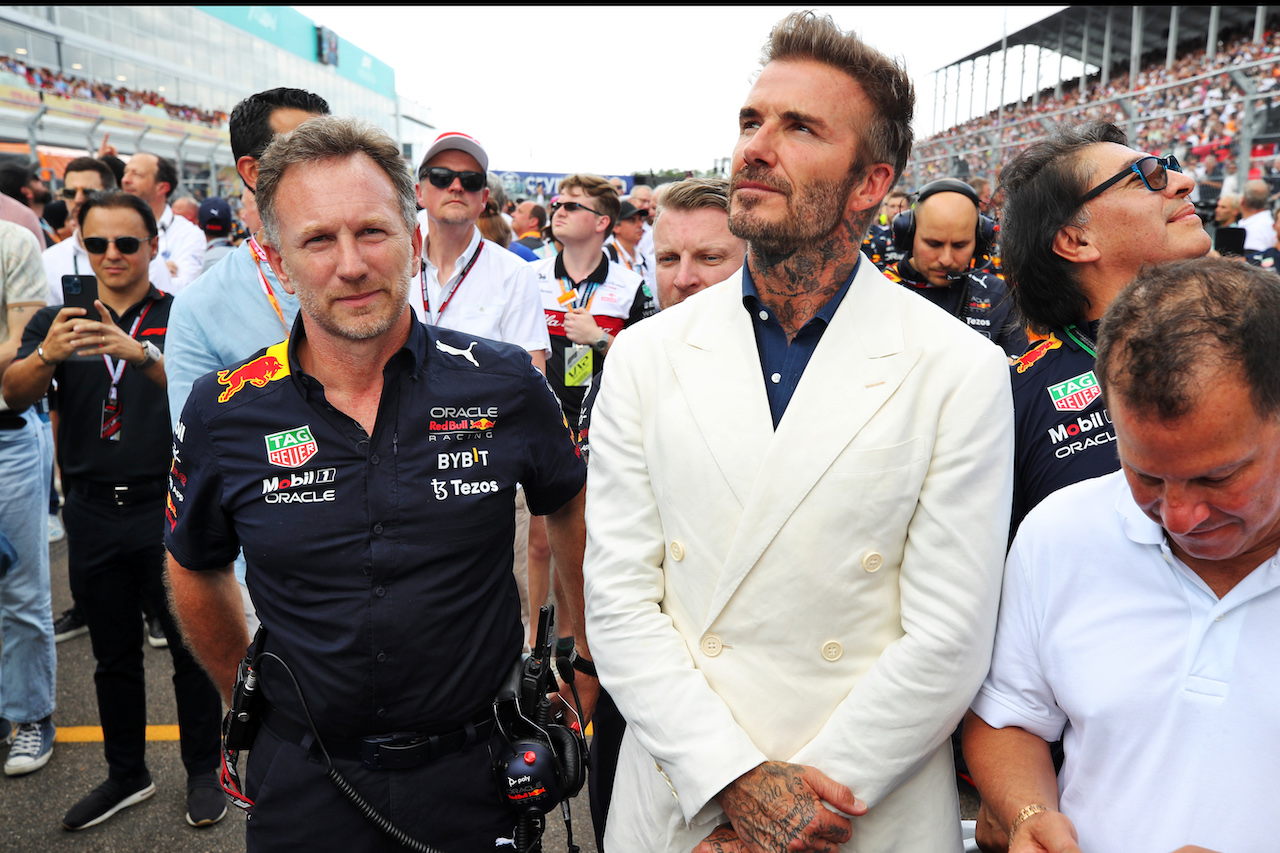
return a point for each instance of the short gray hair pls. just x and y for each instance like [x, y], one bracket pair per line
[331, 138]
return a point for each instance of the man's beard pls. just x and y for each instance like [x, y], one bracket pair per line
[812, 214]
[361, 327]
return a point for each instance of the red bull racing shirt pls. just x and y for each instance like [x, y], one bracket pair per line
[1062, 431]
[379, 564]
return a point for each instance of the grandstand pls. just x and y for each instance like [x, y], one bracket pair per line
[164, 78]
[1205, 89]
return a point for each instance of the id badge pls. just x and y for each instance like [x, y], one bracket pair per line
[577, 365]
[111, 419]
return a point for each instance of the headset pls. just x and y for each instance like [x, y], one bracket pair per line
[904, 224]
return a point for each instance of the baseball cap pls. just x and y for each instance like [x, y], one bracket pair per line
[454, 141]
[629, 210]
[214, 215]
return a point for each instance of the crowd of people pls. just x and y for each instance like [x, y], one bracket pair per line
[1193, 106]
[799, 508]
[70, 86]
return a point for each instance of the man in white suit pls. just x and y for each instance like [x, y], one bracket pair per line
[798, 504]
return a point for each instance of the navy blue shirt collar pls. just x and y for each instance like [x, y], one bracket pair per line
[409, 358]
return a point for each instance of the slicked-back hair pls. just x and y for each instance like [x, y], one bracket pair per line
[1042, 187]
[89, 164]
[167, 172]
[695, 194]
[1176, 324]
[539, 214]
[250, 123]
[887, 137]
[326, 138]
[604, 196]
[119, 199]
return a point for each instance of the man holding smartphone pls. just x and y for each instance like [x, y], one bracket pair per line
[114, 441]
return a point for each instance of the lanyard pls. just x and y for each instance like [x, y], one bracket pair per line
[1081, 338]
[426, 301]
[259, 258]
[116, 370]
[622, 255]
[584, 298]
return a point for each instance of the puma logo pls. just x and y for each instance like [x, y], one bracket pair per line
[464, 353]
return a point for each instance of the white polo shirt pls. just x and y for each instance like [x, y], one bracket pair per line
[1168, 695]
[70, 258]
[496, 298]
[183, 244]
[1259, 231]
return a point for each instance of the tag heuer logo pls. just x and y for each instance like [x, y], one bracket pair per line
[291, 448]
[1076, 394]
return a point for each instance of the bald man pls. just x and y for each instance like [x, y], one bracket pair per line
[946, 239]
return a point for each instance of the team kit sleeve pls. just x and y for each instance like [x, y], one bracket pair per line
[555, 472]
[643, 305]
[198, 532]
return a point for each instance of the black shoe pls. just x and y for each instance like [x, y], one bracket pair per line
[107, 799]
[206, 803]
[155, 634]
[69, 625]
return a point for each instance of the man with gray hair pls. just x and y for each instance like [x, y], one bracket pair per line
[1141, 610]
[1255, 216]
[367, 466]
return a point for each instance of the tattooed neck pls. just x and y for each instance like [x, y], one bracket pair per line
[796, 283]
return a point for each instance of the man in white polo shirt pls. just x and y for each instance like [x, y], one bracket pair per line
[468, 283]
[153, 179]
[1140, 614]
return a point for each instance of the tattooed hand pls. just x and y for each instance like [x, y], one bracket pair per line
[778, 808]
[723, 840]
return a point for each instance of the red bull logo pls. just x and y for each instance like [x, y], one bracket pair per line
[483, 423]
[259, 372]
[1036, 353]
[170, 512]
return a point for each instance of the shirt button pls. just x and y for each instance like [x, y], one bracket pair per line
[775, 378]
[377, 528]
[374, 459]
[379, 592]
[831, 650]
[872, 561]
[382, 656]
[764, 315]
[382, 712]
[677, 551]
[711, 645]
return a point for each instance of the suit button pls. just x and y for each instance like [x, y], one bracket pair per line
[677, 551]
[872, 561]
[831, 650]
[711, 645]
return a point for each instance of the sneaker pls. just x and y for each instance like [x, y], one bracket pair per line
[69, 625]
[206, 803]
[107, 799]
[155, 634]
[32, 746]
[56, 531]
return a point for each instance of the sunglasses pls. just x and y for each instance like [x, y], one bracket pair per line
[1154, 172]
[442, 178]
[572, 207]
[124, 245]
[68, 194]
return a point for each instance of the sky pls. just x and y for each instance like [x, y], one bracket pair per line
[623, 89]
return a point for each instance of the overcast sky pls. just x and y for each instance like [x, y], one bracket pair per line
[631, 88]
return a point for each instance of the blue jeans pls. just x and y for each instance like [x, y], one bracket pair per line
[28, 664]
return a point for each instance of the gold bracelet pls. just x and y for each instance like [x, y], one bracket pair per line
[1026, 812]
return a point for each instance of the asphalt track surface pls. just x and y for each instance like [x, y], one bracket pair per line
[32, 806]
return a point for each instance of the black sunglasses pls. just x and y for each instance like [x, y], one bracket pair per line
[124, 245]
[572, 206]
[1154, 172]
[69, 194]
[442, 178]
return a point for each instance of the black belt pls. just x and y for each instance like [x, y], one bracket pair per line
[397, 751]
[12, 420]
[122, 494]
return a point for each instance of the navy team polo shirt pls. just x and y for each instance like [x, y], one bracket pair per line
[380, 565]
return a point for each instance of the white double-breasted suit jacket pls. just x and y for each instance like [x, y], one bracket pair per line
[823, 594]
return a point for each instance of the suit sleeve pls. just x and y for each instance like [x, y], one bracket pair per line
[911, 699]
[642, 659]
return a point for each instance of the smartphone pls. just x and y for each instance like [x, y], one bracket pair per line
[80, 291]
[1229, 242]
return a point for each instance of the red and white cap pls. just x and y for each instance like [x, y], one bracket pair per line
[454, 141]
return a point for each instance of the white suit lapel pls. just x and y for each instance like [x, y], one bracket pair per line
[858, 365]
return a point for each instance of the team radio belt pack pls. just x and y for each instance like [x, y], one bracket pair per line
[541, 763]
